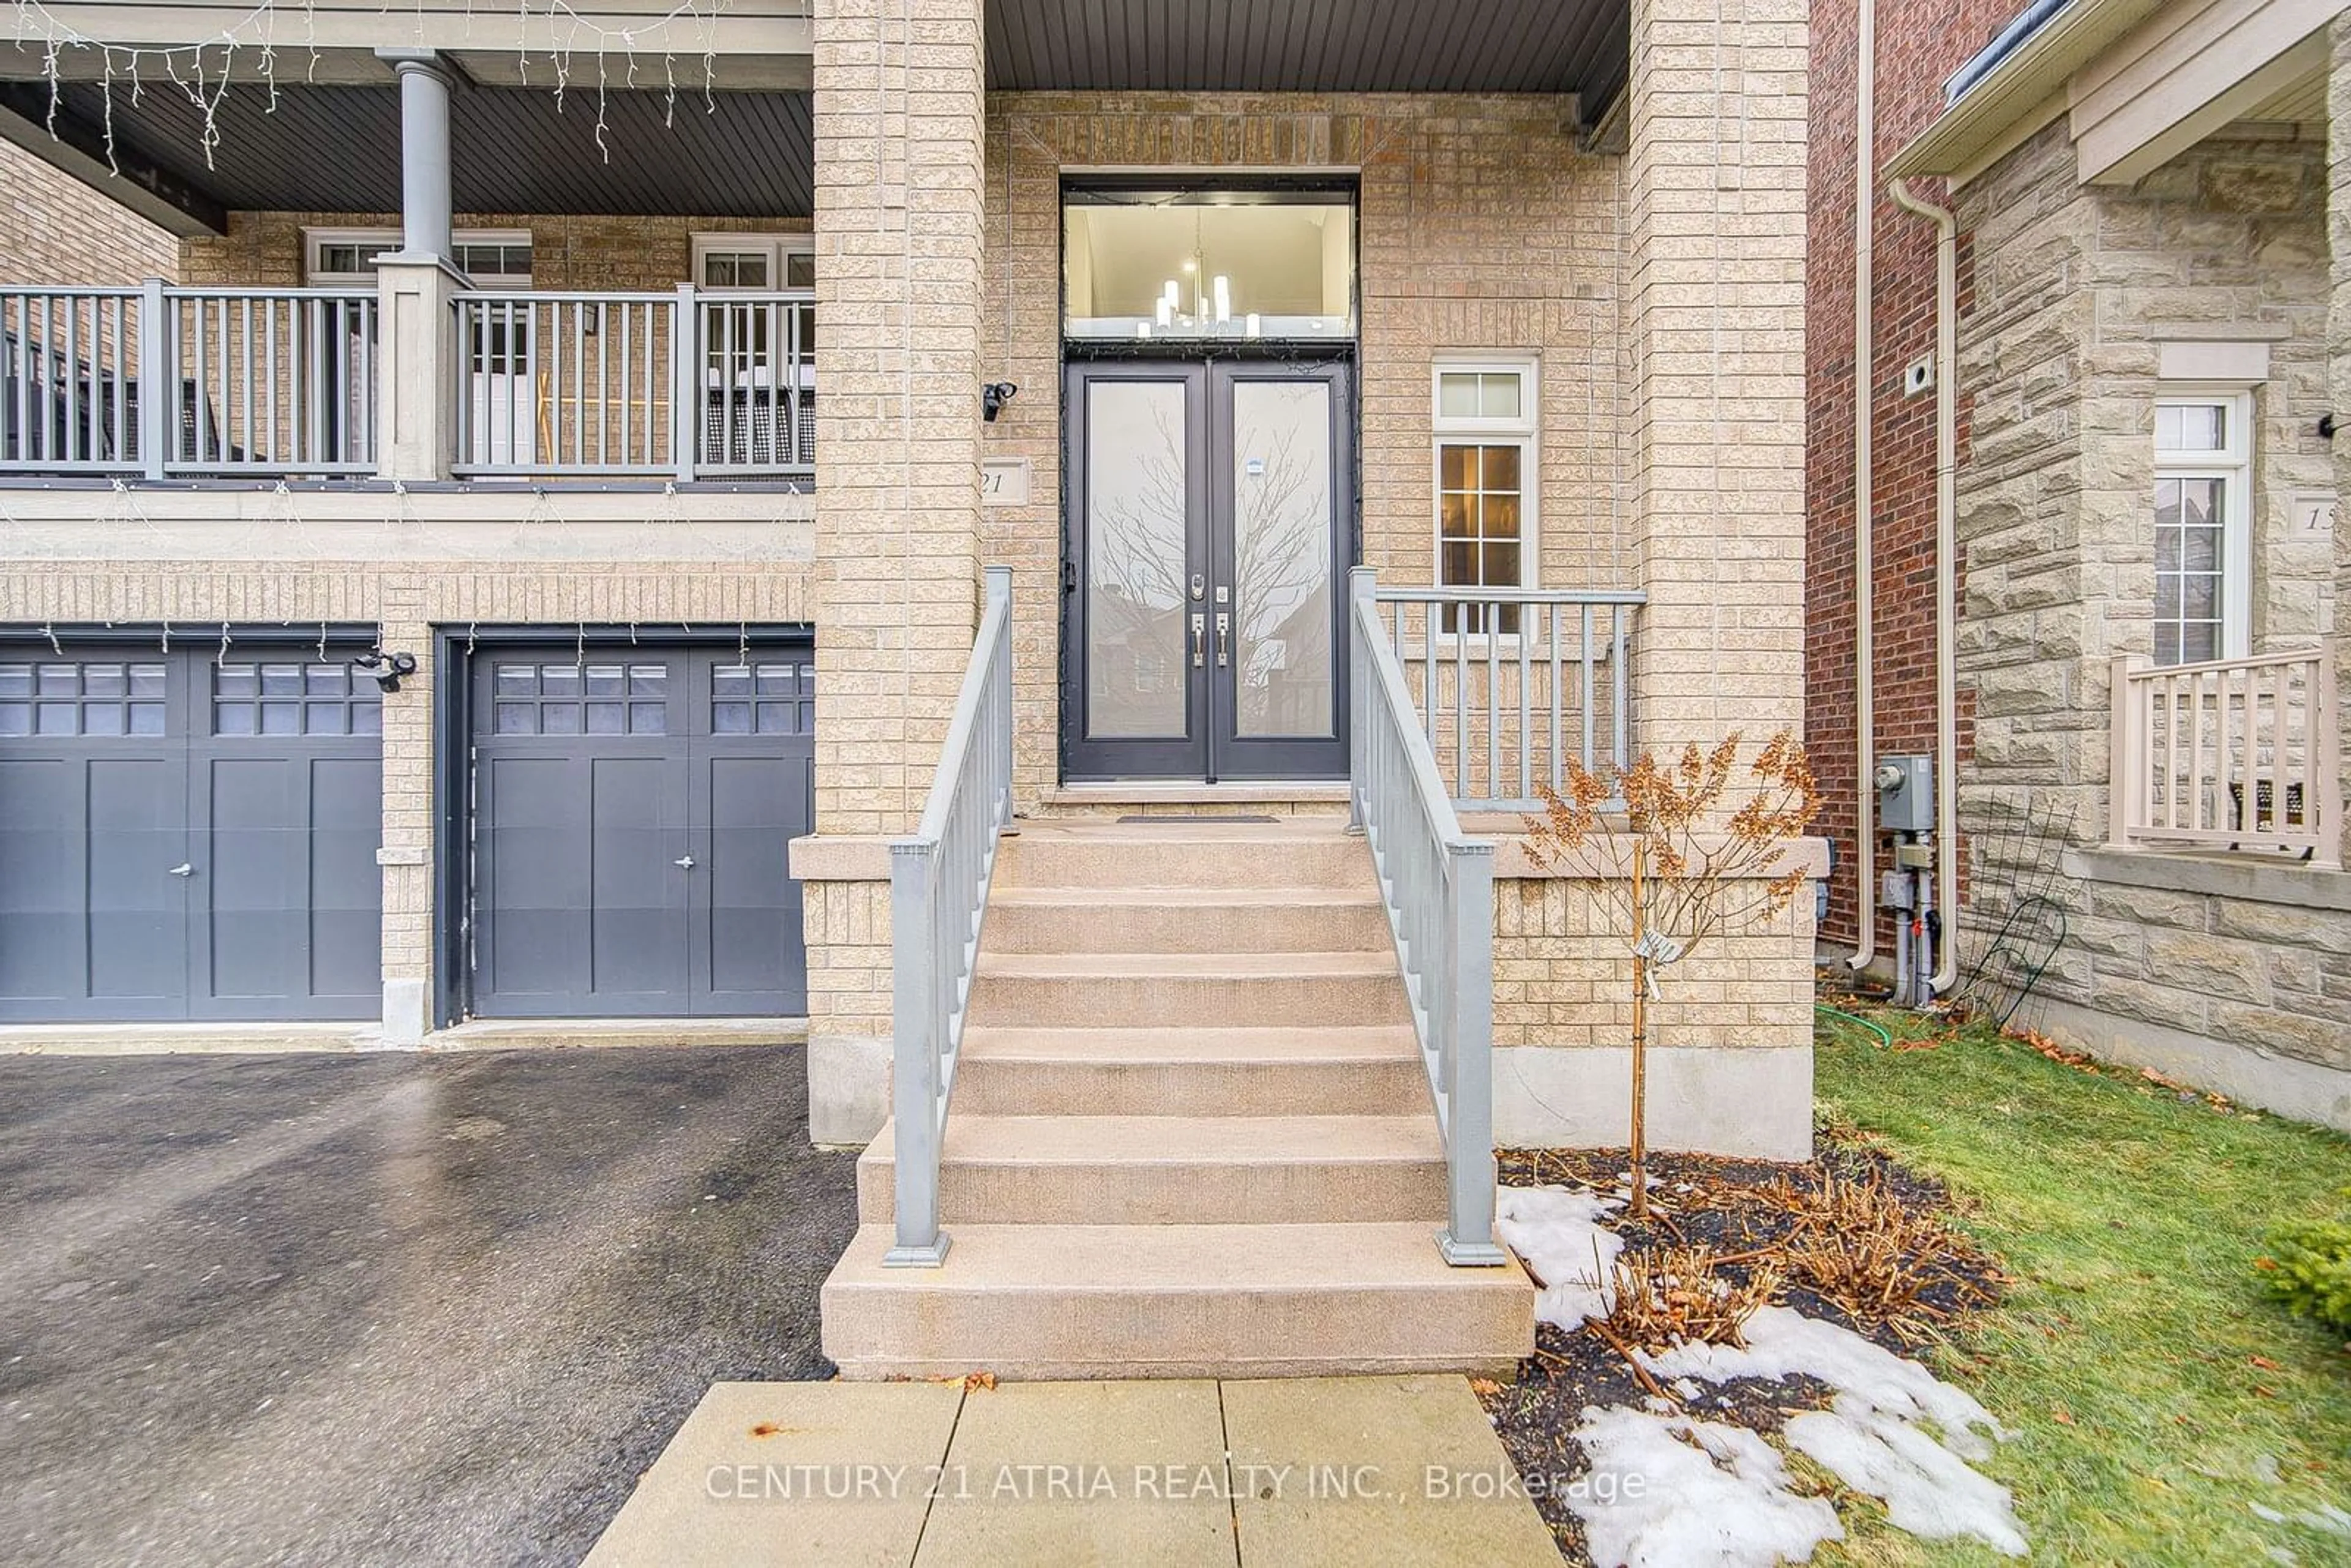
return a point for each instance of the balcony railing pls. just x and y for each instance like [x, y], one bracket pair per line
[677, 384]
[158, 382]
[161, 383]
[1510, 683]
[2231, 754]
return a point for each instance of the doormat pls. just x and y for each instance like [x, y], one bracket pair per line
[1231, 818]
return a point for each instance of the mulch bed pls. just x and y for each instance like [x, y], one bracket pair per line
[1721, 1204]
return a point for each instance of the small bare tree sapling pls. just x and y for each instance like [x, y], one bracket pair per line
[1676, 870]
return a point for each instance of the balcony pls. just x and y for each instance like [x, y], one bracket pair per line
[226, 386]
[2229, 754]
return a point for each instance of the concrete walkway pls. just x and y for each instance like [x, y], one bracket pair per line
[1296, 1472]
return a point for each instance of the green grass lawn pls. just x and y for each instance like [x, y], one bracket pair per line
[2155, 1396]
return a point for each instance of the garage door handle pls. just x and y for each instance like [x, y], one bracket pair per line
[183, 869]
[684, 863]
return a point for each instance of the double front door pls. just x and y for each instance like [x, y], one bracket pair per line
[1209, 521]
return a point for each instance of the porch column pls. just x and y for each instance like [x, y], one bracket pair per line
[2338, 347]
[416, 337]
[898, 180]
[425, 219]
[1716, 309]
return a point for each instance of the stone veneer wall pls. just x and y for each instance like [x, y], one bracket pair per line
[2074, 288]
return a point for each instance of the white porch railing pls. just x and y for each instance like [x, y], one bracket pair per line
[939, 880]
[161, 382]
[1511, 682]
[2238, 754]
[678, 384]
[1439, 886]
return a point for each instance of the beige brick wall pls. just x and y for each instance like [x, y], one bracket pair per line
[55, 229]
[1484, 226]
[2338, 343]
[1564, 976]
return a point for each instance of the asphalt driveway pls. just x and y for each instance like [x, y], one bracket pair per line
[387, 1308]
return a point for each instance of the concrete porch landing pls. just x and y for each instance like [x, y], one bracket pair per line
[1294, 1471]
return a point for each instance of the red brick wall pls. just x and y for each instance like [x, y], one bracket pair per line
[1920, 44]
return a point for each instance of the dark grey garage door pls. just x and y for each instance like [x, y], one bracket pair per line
[188, 835]
[631, 812]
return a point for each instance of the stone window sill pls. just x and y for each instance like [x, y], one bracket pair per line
[2263, 879]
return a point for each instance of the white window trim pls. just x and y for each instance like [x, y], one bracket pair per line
[775, 247]
[316, 240]
[2233, 466]
[1524, 431]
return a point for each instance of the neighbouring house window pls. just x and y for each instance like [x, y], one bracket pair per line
[1484, 420]
[493, 258]
[755, 261]
[2203, 496]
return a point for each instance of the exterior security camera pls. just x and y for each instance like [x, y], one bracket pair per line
[993, 397]
[387, 668]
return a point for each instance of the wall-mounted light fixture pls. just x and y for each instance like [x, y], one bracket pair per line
[993, 397]
[387, 668]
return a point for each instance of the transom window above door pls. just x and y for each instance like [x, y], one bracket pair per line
[1185, 266]
[493, 258]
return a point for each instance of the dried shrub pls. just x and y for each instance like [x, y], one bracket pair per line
[1667, 1294]
[1857, 1245]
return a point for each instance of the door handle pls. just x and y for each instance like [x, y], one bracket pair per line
[684, 862]
[1199, 642]
[183, 869]
[1224, 638]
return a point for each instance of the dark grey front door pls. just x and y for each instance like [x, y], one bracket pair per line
[1209, 508]
[631, 812]
[188, 835]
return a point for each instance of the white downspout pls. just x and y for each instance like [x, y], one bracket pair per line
[1946, 573]
[1865, 594]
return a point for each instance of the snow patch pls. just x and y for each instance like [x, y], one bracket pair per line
[1869, 1436]
[1670, 1492]
[1558, 1234]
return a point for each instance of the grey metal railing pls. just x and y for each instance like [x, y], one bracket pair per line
[1438, 884]
[938, 902]
[167, 382]
[1511, 682]
[681, 384]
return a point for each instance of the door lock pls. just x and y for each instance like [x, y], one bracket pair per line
[684, 862]
[1199, 587]
[1224, 638]
[1199, 641]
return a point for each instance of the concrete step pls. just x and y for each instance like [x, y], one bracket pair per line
[1032, 1302]
[1179, 1071]
[1116, 991]
[1172, 1170]
[1294, 853]
[1186, 920]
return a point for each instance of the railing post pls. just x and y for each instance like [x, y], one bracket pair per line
[1362, 582]
[915, 1022]
[2126, 768]
[2326, 746]
[685, 393]
[996, 588]
[1467, 1240]
[158, 380]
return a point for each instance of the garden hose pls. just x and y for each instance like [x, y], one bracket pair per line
[1877, 1029]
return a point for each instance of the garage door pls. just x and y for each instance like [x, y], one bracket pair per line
[631, 812]
[188, 835]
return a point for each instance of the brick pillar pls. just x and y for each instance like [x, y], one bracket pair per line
[1715, 193]
[899, 209]
[2338, 345]
[1715, 317]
